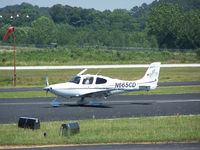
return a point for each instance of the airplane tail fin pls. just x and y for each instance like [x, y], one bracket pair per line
[151, 76]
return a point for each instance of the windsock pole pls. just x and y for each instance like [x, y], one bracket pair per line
[12, 29]
[15, 72]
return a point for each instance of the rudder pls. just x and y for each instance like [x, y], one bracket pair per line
[152, 72]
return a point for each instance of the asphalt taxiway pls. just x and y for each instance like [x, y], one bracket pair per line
[115, 107]
[170, 146]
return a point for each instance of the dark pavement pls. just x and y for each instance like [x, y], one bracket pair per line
[116, 107]
[175, 146]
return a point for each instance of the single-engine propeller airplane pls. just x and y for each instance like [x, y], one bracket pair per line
[97, 86]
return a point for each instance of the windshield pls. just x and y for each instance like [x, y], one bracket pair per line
[75, 80]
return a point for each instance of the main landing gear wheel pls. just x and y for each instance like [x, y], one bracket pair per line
[97, 102]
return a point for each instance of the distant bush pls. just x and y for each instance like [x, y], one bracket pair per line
[166, 53]
[198, 52]
[87, 56]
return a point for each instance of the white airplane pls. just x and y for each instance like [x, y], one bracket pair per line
[97, 86]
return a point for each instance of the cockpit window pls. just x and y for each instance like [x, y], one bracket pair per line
[100, 80]
[88, 80]
[75, 80]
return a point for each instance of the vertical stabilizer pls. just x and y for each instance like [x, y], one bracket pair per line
[152, 73]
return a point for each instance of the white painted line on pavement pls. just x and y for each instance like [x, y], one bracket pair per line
[109, 102]
[94, 66]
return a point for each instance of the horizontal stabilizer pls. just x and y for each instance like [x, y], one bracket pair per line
[147, 88]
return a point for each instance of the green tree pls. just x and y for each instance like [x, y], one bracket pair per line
[22, 35]
[163, 23]
[188, 35]
[173, 27]
[58, 14]
[65, 34]
[43, 31]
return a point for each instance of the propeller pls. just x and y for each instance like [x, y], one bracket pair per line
[47, 88]
[47, 92]
[47, 80]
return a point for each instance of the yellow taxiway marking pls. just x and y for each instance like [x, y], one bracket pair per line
[63, 145]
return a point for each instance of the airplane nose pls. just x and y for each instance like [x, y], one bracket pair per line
[46, 88]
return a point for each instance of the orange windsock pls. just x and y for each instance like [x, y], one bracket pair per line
[11, 29]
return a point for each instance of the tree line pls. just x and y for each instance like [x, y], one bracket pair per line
[162, 24]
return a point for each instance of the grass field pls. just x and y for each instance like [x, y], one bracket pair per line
[150, 129]
[91, 56]
[31, 78]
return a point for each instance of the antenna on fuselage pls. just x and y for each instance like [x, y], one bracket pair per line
[82, 72]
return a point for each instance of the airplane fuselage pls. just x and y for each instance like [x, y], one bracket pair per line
[99, 83]
[97, 86]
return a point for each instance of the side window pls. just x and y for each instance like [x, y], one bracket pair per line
[88, 80]
[100, 80]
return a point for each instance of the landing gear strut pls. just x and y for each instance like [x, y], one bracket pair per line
[55, 103]
[82, 101]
